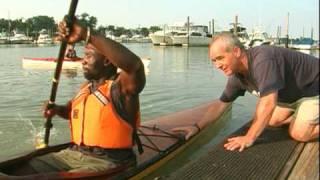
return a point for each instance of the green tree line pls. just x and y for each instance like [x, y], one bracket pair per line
[33, 25]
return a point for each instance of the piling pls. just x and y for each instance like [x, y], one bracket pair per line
[287, 33]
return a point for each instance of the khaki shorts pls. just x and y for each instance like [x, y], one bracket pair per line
[71, 161]
[305, 109]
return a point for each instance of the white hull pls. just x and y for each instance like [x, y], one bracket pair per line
[301, 46]
[20, 39]
[161, 39]
[193, 40]
[45, 41]
[31, 63]
[3, 41]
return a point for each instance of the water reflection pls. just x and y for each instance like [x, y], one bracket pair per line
[70, 73]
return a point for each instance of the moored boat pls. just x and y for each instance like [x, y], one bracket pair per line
[258, 38]
[241, 33]
[50, 63]
[194, 38]
[44, 39]
[164, 36]
[302, 43]
[20, 38]
[4, 38]
[160, 145]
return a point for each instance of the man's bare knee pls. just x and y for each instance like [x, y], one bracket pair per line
[302, 137]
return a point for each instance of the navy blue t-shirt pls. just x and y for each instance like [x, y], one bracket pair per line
[293, 74]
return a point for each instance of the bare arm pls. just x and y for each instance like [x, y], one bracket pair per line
[262, 116]
[214, 111]
[132, 76]
[131, 80]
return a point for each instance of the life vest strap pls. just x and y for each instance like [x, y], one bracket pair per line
[104, 100]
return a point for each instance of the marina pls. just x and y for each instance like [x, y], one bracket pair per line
[177, 34]
[184, 80]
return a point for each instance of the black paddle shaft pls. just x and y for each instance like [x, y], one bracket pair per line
[55, 80]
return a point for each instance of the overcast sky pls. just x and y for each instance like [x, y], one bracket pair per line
[266, 14]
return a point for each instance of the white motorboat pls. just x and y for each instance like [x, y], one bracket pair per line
[20, 38]
[258, 38]
[192, 39]
[139, 39]
[242, 34]
[197, 36]
[164, 37]
[44, 38]
[3, 38]
[302, 43]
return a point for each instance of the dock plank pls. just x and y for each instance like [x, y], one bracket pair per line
[307, 166]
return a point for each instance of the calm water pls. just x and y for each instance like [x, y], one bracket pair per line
[178, 78]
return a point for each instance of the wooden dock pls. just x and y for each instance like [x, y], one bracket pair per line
[304, 164]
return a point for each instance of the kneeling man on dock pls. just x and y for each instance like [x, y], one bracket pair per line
[286, 82]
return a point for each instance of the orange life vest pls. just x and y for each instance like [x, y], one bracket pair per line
[95, 122]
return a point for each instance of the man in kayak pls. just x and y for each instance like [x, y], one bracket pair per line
[286, 82]
[104, 115]
[71, 52]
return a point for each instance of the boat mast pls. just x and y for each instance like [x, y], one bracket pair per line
[279, 34]
[188, 28]
[212, 30]
[9, 26]
[210, 27]
[164, 33]
[235, 26]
